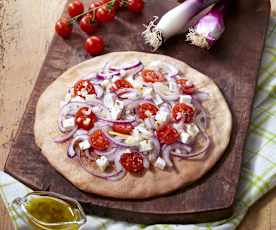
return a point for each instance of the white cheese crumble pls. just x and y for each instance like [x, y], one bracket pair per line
[102, 163]
[185, 137]
[192, 129]
[162, 117]
[145, 146]
[157, 100]
[185, 99]
[90, 97]
[84, 145]
[173, 86]
[160, 163]
[68, 124]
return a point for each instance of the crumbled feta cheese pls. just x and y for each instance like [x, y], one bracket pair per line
[151, 157]
[145, 145]
[192, 129]
[115, 112]
[102, 163]
[142, 131]
[157, 100]
[185, 99]
[90, 97]
[119, 104]
[133, 140]
[147, 92]
[77, 99]
[185, 137]
[108, 100]
[178, 126]
[160, 163]
[84, 145]
[68, 124]
[137, 84]
[115, 78]
[173, 86]
[105, 83]
[162, 116]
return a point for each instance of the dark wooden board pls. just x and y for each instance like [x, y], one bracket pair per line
[233, 64]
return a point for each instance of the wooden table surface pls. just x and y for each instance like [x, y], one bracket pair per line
[26, 29]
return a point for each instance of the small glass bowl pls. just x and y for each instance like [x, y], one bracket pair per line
[19, 207]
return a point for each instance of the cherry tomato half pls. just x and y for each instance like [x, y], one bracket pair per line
[121, 84]
[99, 141]
[183, 111]
[167, 134]
[85, 118]
[83, 86]
[105, 14]
[122, 128]
[63, 28]
[145, 108]
[94, 45]
[88, 24]
[186, 89]
[75, 8]
[132, 162]
[152, 76]
[135, 6]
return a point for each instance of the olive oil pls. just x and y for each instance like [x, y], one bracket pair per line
[50, 210]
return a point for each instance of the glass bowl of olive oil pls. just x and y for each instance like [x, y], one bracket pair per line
[48, 210]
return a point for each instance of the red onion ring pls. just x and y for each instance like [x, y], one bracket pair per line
[65, 137]
[167, 97]
[146, 162]
[80, 132]
[127, 67]
[201, 96]
[71, 152]
[166, 151]
[202, 117]
[106, 153]
[157, 147]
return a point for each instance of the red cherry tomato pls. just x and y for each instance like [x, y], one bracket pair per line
[186, 89]
[167, 135]
[121, 84]
[135, 6]
[99, 141]
[183, 111]
[105, 14]
[83, 85]
[94, 45]
[63, 28]
[85, 118]
[132, 162]
[152, 76]
[95, 5]
[144, 108]
[87, 24]
[75, 8]
[122, 128]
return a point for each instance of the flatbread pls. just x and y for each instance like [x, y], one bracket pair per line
[153, 182]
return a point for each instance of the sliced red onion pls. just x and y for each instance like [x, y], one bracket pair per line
[99, 91]
[127, 66]
[166, 152]
[201, 96]
[149, 123]
[117, 142]
[65, 137]
[80, 132]
[71, 152]
[106, 153]
[146, 162]
[157, 147]
[108, 75]
[170, 96]
[185, 149]
[201, 117]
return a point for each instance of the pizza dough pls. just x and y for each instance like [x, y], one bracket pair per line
[153, 182]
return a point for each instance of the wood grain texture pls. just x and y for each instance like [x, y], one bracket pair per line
[260, 217]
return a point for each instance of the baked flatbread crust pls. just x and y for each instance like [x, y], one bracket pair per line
[154, 182]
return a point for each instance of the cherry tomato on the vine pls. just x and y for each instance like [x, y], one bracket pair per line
[88, 24]
[135, 6]
[132, 162]
[85, 118]
[75, 8]
[63, 28]
[99, 141]
[105, 14]
[122, 128]
[146, 108]
[183, 111]
[167, 134]
[95, 5]
[152, 76]
[94, 45]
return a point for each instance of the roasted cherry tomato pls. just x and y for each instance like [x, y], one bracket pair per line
[167, 134]
[121, 84]
[83, 87]
[99, 141]
[135, 6]
[152, 76]
[85, 118]
[94, 45]
[132, 162]
[186, 88]
[146, 108]
[63, 28]
[88, 24]
[75, 8]
[105, 14]
[122, 128]
[183, 111]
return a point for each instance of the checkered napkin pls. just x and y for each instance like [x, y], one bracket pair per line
[258, 173]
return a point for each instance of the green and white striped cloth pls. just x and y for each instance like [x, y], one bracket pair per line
[258, 170]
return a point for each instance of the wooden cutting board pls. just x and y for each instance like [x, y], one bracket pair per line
[233, 64]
